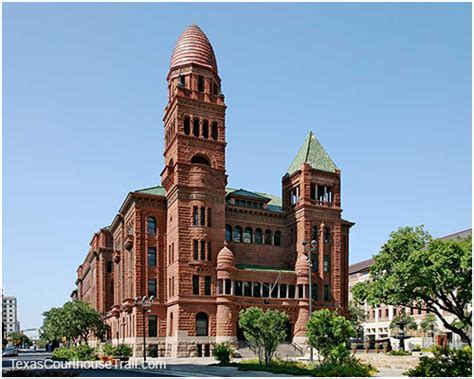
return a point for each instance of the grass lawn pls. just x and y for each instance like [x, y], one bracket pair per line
[355, 368]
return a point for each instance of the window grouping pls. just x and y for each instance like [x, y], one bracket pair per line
[202, 324]
[248, 204]
[171, 257]
[202, 128]
[151, 256]
[200, 84]
[315, 234]
[151, 225]
[152, 326]
[197, 285]
[170, 132]
[202, 216]
[277, 291]
[171, 286]
[322, 194]
[152, 287]
[202, 250]
[248, 235]
[294, 195]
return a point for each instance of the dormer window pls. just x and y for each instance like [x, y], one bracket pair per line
[201, 84]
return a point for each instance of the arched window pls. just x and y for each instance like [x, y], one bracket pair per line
[187, 125]
[228, 233]
[214, 131]
[199, 159]
[258, 236]
[327, 234]
[171, 324]
[268, 237]
[277, 238]
[238, 234]
[151, 225]
[202, 324]
[196, 127]
[248, 235]
[205, 129]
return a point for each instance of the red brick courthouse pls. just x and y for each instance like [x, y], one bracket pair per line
[205, 251]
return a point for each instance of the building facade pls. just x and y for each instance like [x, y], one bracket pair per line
[10, 314]
[205, 251]
[379, 318]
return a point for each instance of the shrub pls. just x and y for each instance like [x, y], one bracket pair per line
[350, 367]
[399, 352]
[277, 366]
[122, 350]
[74, 353]
[62, 354]
[107, 349]
[416, 348]
[445, 362]
[222, 352]
[83, 353]
[329, 333]
[263, 330]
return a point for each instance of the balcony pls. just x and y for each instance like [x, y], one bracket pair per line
[325, 204]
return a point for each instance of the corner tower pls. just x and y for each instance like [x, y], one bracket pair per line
[312, 200]
[194, 178]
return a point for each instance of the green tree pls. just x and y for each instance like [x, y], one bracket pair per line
[357, 317]
[428, 324]
[415, 271]
[19, 339]
[263, 330]
[329, 334]
[74, 321]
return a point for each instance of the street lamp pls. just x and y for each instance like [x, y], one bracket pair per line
[308, 250]
[146, 303]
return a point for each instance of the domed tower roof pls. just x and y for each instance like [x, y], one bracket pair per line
[193, 46]
[225, 258]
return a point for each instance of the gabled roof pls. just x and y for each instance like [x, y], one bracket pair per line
[248, 194]
[314, 154]
[274, 204]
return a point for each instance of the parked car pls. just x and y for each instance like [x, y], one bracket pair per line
[10, 352]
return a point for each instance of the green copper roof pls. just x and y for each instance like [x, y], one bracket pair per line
[157, 190]
[274, 202]
[314, 154]
[254, 195]
[261, 268]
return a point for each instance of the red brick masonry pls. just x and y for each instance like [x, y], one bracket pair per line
[201, 281]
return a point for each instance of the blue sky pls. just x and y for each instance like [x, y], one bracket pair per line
[386, 88]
